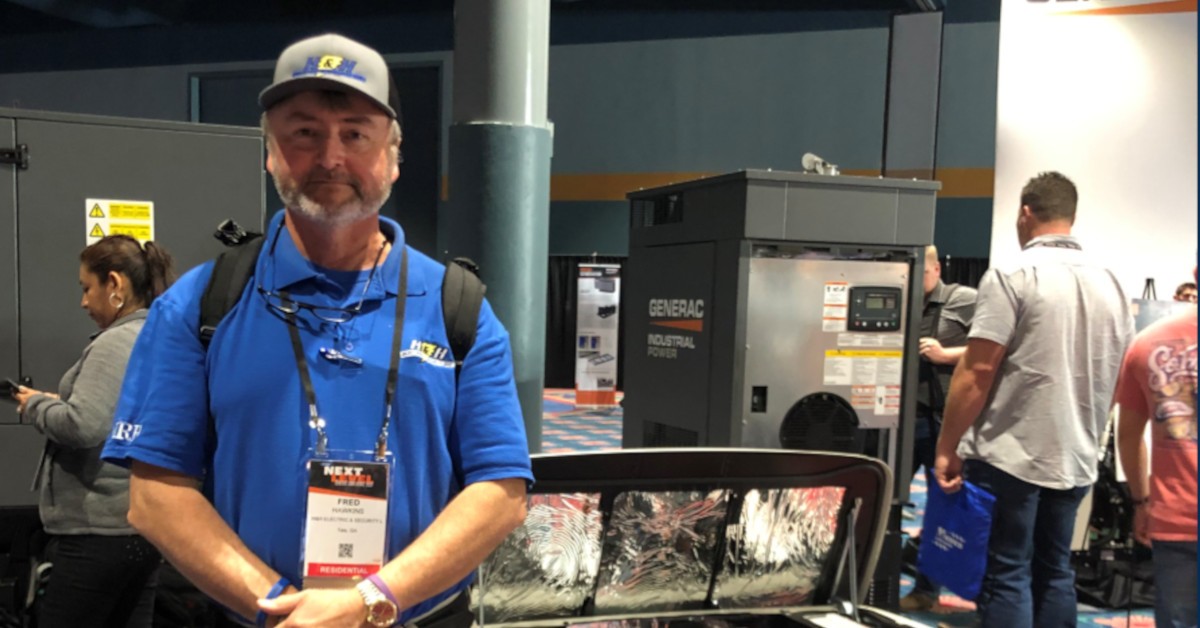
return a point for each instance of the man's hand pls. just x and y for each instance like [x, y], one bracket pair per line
[933, 351]
[947, 468]
[335, 608]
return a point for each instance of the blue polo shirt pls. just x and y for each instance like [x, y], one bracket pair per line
[254, 468]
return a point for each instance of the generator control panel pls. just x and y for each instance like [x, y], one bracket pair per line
[875, 308]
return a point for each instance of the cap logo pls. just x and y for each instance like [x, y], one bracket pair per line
[330, 64]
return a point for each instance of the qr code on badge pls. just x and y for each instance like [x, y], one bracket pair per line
[345, 550]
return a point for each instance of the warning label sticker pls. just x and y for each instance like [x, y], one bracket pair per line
[838, 371]
[862, 367]
[138, 231]
[870, 340]
[837, 293]
[106, 217]
[131, 211]
[862, 397]
[834, 306]
[887, 400]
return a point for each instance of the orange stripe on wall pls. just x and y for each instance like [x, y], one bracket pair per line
[861, 173]
[956, 183]
[613, 186]
[966, 182]
[1172, 6]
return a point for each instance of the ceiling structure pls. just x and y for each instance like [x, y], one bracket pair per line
[19, 17]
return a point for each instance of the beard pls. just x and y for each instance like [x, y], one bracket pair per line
[365, 203]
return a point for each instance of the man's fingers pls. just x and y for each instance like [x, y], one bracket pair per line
[949, 485]
[281, 605]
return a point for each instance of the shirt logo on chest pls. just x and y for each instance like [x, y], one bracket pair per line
[429, 353]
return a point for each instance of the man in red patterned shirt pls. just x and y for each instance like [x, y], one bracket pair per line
[1158, 381]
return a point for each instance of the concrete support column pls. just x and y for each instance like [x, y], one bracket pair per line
[500, 148]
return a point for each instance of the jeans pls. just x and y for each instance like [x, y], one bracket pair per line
[1175, 584]
[1029, 579]
[100, 581]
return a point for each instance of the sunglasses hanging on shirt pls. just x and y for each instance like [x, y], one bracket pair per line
[288, 307]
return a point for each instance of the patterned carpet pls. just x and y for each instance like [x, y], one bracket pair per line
[566, 429]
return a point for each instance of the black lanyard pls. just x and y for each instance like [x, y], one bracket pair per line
[314, 418]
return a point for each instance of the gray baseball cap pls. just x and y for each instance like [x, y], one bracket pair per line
[331, 62]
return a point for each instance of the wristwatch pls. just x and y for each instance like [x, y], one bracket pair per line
[381, 611]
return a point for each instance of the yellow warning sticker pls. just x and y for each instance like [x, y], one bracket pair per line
[137, 231]
[129, 211]
[112, 216]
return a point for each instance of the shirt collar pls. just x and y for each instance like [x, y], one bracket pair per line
[938, 294]
[291, 268]
[1050, 239]
[128, 318]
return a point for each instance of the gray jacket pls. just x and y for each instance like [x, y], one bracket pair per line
[80, 494]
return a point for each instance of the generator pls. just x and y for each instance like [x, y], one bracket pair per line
[772, 309]
[780, 310]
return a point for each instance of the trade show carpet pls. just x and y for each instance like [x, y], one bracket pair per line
[567, 429]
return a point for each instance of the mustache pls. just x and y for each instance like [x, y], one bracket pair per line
[318, 176]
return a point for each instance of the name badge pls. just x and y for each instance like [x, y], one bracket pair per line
[345, 534]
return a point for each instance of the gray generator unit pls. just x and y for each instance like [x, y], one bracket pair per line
[66, 177]
[776, 310]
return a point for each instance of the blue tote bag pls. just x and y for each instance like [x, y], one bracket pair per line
[954, 538]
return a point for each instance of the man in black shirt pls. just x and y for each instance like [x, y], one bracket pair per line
[945, 322]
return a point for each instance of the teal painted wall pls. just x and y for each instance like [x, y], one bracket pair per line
[587, 227]
[647, 93]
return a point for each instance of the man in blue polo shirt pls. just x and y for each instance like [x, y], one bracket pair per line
[322, 439]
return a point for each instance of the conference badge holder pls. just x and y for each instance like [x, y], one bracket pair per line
[345, 531]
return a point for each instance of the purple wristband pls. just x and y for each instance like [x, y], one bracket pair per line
[383, 588]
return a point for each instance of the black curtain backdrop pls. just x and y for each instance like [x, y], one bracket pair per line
[964, 270]
[561, 292]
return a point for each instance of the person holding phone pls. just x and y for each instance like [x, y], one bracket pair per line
[104, 573]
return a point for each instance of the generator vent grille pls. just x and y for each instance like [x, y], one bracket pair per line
[821, 422]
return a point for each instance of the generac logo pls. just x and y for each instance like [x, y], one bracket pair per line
[684, 314]
[1113, 7]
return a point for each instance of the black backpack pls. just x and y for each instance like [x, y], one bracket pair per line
[462, 290]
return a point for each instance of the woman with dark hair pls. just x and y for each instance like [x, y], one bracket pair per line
[103, 573]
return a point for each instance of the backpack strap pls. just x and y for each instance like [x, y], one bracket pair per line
[231, 273]
[462, 297]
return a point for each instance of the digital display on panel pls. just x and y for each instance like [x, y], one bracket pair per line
[880, 303]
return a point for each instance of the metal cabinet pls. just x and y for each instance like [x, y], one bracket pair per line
[195, 175]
